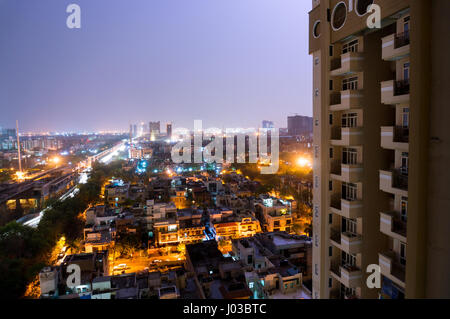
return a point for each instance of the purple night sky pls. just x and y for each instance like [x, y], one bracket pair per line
[230, 63]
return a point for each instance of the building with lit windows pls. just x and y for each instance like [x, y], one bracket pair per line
[274, 214]
[381, 147]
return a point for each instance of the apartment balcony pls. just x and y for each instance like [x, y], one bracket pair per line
[395, 138]
[394, 182]
[391, 225]
[347, 136]
[348, 63]
[348, 275]
[345, 100]
[348, 242]
[391, 267]
[395, 46]
[395, 92]
[349, 173]
[346, 208]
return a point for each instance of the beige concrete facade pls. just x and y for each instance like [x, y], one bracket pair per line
[381, 148]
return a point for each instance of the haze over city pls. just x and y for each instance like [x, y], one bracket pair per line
[154, 60]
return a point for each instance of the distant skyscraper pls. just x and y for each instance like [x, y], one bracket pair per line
[300, 125]
[267, 124]
[169, 130]
[155, 128]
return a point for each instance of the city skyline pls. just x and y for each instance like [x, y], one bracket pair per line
[211, 70]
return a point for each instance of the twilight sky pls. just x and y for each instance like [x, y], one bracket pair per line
[230, 63]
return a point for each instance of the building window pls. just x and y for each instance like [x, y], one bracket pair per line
[339, 16]
[316, 269]
[330, 185]
[331, 85]
[331, 50]
[404, 209]
[403, 254]
[331, 119]
[349, 226]
[331, 152]
[405, 117]
[349, 156]
[350, 120]
[350, 84]
[351, 46]
[330, 219]
[406, 71]
[330, 251]
[348, 259]
[405, 163]
[330, 282]
[349, 191]
[406, 25]
[362, 6]
[316, 240]
[316, 211]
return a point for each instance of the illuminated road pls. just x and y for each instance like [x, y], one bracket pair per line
[35, 221]
[137, 264]
[84, 175]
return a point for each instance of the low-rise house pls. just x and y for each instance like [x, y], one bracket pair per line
[274, 214]
[116, 192]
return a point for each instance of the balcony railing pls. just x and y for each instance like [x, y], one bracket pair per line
[335, 235]
[397, 269]
[349, 267]
[348, 198]
[336, 64]
[401, 134]
[401, 87]
[400, 179]
[335, 267]
[399, 226]
[335, 98]
[401, 40]
[336, 167]
[336, 133]
[336, 201]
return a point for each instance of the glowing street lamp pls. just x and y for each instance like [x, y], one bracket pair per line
[20, 175]
[303, 162]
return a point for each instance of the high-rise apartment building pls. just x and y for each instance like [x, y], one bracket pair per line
[169, 130]
[300, 125]
[381, 148]
[154, 128]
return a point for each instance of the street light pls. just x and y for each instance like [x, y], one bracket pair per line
[303, 162]
[20, 175]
